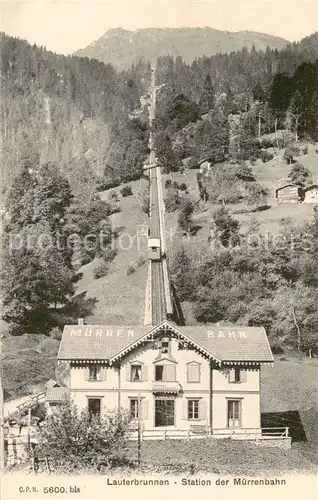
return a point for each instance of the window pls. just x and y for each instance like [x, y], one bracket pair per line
[165, 347]
[234, 412]
[94, 372]
[165, 373]
[164, 412]
[193, 372]
[237, 375]
[94, 405]
[135, 373]
[134, 408]
[193, 409]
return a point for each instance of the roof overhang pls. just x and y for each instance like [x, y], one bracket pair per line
[165, 326]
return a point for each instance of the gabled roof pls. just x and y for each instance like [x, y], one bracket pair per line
[97, 341]
[308, 188]
[110, 343]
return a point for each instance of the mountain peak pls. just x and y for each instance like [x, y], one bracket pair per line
[123, 47]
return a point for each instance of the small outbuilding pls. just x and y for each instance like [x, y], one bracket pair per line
[310, 194]
[288, 193]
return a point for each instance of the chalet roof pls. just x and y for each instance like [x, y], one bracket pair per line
[56, 394]
[225, 344]
[308, 188]
[287, 184]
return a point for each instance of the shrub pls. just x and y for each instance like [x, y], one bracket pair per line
[75, 439]
[192, 163]
[172, 200]
[168, 183]
[100, 270]
[114, 196]
[126, 191]
[265, 156]
[183, 187]
[267, 142]
[305, 151]
[48, 346]
[290, 152]
[130, 269]
[55, 333]
[109, 254]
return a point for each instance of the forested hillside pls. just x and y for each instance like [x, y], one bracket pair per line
[71, 111]
[74, 126]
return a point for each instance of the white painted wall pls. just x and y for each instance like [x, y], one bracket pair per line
[222, 389]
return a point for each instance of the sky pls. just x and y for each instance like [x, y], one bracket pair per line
[67, 25]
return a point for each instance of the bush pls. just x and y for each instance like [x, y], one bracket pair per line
[109, 254]
[265, 156]
[291, 152]
[74, 438]
[305, 151]
[48, 346]
[114, 196]
[100, 270]
[183, 187]
[130, 269]
[126, 191]
[192, 163]
[267, 142]
[55, 333]
[172, 200]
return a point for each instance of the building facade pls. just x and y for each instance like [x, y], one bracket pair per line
[310, 194]
[288, 193]
[185, 379]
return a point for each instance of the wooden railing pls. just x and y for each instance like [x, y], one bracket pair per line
[200, 432]
[32, 401]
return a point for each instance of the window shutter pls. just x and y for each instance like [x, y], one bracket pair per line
[193, 372]
[144, 373]
[202, 412]
[232, 375]
[243, 375]
[86, 373]
[144, 409]
[185, 409]
[128, 373]
[102, 375]
[169, 373]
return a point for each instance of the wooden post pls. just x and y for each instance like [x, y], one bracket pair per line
[139, 430]
[29, 426]
[276, 132]
[2, 413]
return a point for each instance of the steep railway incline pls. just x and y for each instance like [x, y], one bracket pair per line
[160, 297]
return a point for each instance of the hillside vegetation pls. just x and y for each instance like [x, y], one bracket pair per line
[76, 130]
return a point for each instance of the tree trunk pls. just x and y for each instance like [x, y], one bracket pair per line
[276, 132]
[259, 126]
[297, 328]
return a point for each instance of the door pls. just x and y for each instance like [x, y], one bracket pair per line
[94, 406]
[164, 412]
[234, 413]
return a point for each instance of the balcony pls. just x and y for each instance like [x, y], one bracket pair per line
[166, 387]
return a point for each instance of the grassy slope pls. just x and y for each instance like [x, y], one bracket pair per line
[120, 298]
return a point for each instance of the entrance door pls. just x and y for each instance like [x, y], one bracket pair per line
[234, 413]
[94, 406]
[164, 412]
